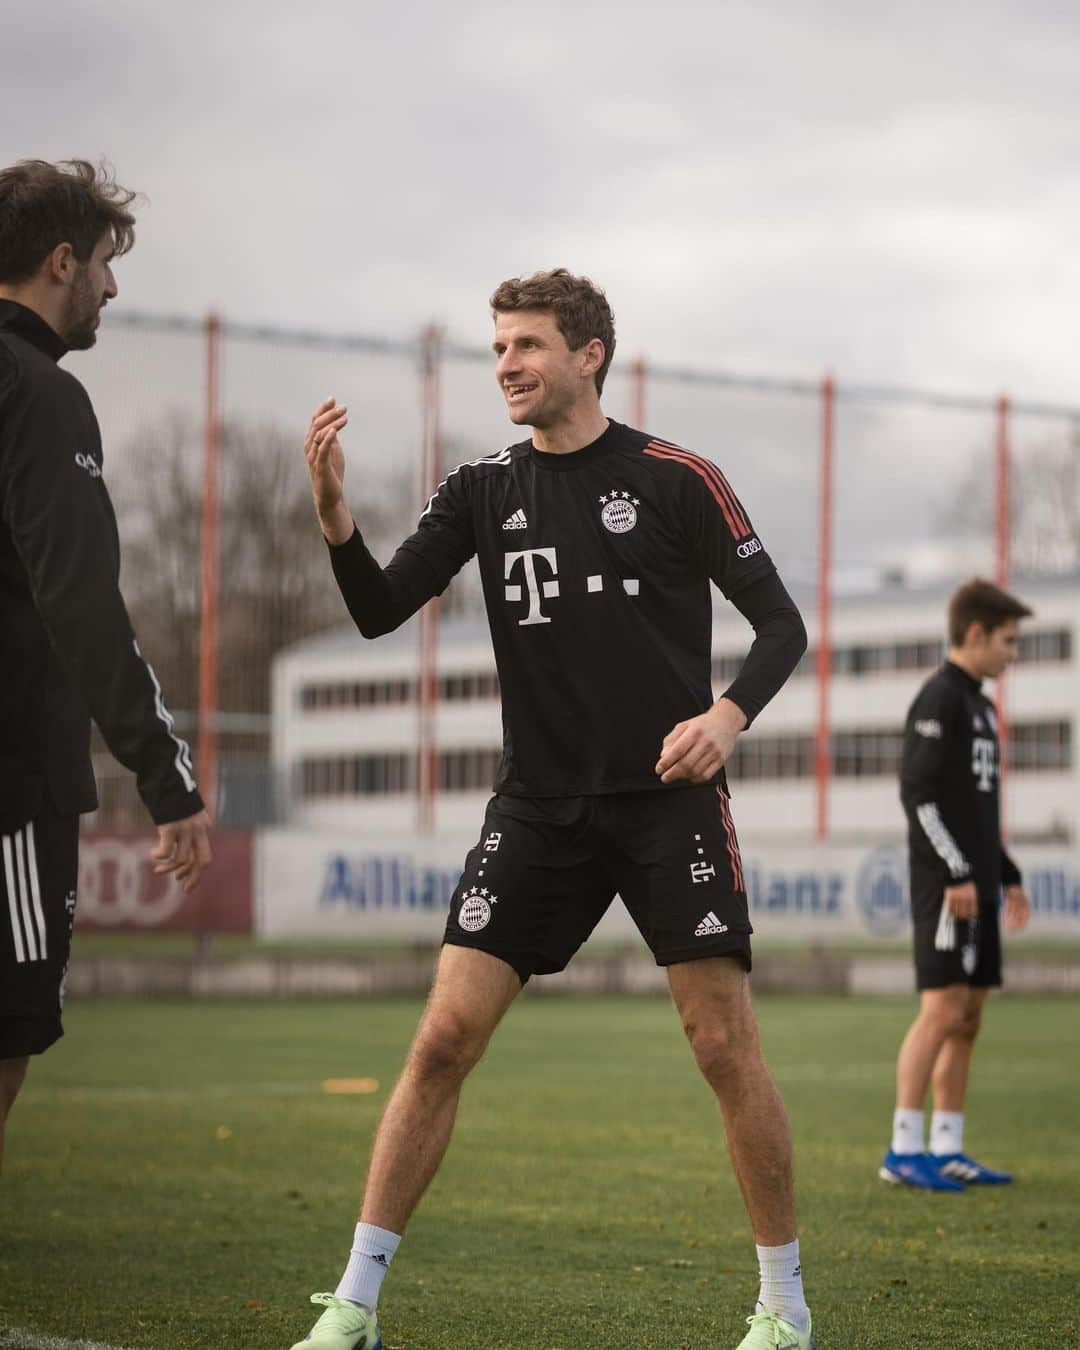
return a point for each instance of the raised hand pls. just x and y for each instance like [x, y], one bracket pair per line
[326, 468]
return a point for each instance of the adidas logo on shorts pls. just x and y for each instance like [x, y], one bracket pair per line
[709, 925]
[517, 521]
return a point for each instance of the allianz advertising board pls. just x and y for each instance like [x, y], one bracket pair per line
[346, 885]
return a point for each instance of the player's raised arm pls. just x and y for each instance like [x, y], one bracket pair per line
[381, 599]
[326, 468]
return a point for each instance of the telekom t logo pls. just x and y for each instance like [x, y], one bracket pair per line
[527, 557]
[982, 763]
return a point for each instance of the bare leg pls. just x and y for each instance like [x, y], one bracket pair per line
[12, 1073]
[942, 1013]
[713, 999]
[471, 993]
[953, 1064]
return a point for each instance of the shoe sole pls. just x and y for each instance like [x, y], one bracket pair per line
[893, 1180]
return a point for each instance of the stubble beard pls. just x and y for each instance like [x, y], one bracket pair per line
[81, 333]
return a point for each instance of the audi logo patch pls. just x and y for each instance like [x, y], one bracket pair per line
[748, 549]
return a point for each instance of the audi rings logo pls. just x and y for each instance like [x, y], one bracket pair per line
[90, 464]
[748, 549]
[117, 885]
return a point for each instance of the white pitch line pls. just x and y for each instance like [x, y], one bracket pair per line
[18, 1338]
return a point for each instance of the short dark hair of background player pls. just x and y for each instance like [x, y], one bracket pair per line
[580, 309]
[43, 205]
[981, 602]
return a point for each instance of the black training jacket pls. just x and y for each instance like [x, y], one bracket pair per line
[67, 649]
[949, 788]
[597, 569]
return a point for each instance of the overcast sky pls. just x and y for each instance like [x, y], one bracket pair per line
[891, 192]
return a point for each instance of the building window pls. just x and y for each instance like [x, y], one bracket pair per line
[1038, 647]
[856, 660]
[867, 753]
[1040, 747]
[470, 770]
[875, 752]
[462, 687]
[764, 758]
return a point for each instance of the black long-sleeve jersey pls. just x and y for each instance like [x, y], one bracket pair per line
[596, 568]
[67, 649]
[949, 788]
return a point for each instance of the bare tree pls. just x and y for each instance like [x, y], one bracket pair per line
[1045, 504]
[275, 585]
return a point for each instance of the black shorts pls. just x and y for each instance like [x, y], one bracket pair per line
[38, 875]
[545, 869]
[954, 951]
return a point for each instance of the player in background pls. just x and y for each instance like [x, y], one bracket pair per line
[596, 545]
[67, 649]
[958, 866]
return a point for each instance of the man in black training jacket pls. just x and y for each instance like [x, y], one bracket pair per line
[959, 868]
[67, 649]
[596, 546]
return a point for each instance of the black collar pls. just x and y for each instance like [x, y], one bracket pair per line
[16, 318]
[958, 673]
[578, 459]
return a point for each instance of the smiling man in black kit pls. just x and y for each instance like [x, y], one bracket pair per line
[597, 546]
[67, 649]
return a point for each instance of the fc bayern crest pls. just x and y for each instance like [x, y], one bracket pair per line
[475, 912]
[619, 512]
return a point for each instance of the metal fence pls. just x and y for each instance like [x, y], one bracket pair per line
[203, 421]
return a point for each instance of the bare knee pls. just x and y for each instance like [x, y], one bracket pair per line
[447, 1046]
[721, 1050]
[953, 1018]
[967, 1024]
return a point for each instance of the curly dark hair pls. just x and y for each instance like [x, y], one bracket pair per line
[580, 309]
[73, 202]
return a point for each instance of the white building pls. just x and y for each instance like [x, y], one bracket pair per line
[345, 722]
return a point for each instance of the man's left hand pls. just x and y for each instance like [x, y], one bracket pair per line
[696, 749]
[1017, 909]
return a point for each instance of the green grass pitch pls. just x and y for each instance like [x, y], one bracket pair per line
[177, 1177]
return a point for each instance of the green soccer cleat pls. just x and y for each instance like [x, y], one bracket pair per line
[343, 1326]
[769, 1332]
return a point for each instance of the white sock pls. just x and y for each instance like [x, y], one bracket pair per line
[781, 1285]
[947, 1132]
[907, 1130]
[372, 1251]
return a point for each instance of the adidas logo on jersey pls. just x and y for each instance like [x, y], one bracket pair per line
[517, 521]
[709, 925]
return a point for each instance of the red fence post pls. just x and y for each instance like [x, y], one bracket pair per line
[639, 375]
[428, 674]
[208, 628]
[822, 747]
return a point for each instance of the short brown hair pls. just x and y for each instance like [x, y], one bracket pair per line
[581, 309]
[43, 205]
[981, 602]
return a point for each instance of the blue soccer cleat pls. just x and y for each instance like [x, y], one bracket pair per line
[916, 1169]
[962, 1168]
